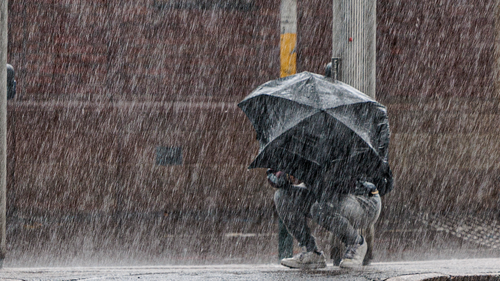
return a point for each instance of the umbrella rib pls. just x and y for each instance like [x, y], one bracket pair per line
[370, 147]
[350, 127]
[301, 155]
[293, 125]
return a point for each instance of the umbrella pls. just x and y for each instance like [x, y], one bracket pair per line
[307, 124]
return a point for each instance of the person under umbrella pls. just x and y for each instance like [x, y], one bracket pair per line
[335, 140]
[355, 204]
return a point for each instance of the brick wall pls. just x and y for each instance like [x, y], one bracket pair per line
[102, 84]
[103, 51]
[435, 73]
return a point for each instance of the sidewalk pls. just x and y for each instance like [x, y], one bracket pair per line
[158, 247]
[393, 271]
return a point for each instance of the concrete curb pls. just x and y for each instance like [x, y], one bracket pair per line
[419, 277]
[435, 270]
[441, 277]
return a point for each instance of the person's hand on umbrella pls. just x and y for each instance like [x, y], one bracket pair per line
[278, 179]
[364, 188]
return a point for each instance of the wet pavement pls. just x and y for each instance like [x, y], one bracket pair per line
[417, 248]
[393, 271]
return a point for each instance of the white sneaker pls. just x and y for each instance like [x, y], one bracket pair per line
[306, 260]
[354, 255]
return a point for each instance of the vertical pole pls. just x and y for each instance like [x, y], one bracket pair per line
[354, 42]
[285, 244]
[3, 127]
[354, 63]
[288, 66]
[496, 67]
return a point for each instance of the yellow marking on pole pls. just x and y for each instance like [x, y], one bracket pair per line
[288, 55]
[288, 38]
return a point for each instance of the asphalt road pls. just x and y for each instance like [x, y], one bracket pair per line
[419, 270]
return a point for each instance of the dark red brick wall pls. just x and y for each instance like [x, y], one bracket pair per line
[435, 49]
[101, 84]
[435, 72]
[104, 51]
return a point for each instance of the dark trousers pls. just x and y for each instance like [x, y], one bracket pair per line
[341, 214]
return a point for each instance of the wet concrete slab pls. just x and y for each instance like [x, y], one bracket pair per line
[158, 240]
[483, 269]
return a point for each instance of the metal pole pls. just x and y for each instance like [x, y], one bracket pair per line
[288, 66]
[354, 43]
[3, 127]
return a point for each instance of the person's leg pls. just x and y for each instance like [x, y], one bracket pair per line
[347, 213]
[344, 215]
[293, 206]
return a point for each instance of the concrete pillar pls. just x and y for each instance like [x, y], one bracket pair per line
[3, 126]
[354, 62]
[354, 42]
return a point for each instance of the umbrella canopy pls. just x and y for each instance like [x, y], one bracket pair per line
[307, 124]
